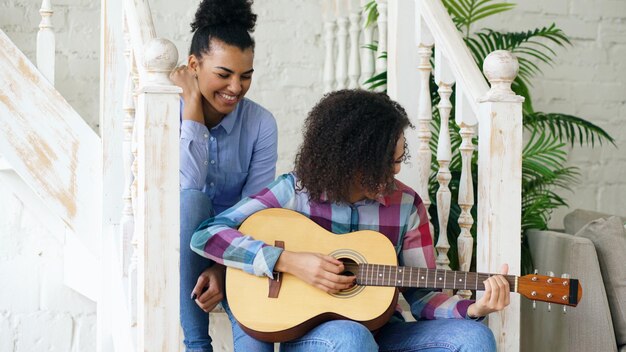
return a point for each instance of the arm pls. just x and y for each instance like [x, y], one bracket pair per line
[417, 250]
[193, 132]
[218, 238]
[262, 168]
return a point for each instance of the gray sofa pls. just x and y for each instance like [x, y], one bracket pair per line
[593, 250]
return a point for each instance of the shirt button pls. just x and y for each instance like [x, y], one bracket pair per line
[206, 162]
[211, 184]
[212, 161]
[206, 135]
[212, 139]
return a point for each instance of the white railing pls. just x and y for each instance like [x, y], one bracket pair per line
[348, 63]
[46, 42]
[414, 28]
[147, 251]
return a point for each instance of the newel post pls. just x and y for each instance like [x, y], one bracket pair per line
[499, 187]
[157, 216]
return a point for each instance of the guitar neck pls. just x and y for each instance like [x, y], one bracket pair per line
[404, 276]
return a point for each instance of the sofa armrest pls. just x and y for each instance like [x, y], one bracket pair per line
[588, 327]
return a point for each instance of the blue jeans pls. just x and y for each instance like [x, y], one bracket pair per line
[195, 207]
[444, 335]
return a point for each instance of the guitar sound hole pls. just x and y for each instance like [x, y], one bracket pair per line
[350, 266]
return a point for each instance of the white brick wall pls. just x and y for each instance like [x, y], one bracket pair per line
[37, 312]
[588, 80]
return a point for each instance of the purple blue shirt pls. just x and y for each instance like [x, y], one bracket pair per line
[232, 160]
[400, 216]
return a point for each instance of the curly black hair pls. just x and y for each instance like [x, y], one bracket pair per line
[350, 135]
[230, 21]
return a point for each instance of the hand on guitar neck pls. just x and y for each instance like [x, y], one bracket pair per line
[496, 296]
[317, 270]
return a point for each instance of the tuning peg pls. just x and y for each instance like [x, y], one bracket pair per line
[549, 307]
[564, 309]
[551, 274]
[536, 271]
[534, 304]
[565, 276]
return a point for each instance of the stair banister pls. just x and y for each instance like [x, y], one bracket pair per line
[157, 214]
[500, 187]
[141, 29]
[449, 41]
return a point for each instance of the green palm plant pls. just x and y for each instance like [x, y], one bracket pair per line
[544, 157]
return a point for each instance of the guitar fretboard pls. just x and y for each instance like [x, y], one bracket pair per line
[403, 276]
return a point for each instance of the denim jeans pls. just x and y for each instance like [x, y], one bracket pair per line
[443, 335]
[195, 207]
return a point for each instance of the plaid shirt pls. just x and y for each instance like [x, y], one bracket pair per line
[401, 216]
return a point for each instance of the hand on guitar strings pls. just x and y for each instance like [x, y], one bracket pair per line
[496, 297]
[209, 289]
[321, 271]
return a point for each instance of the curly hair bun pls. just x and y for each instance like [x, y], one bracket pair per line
[224, 13]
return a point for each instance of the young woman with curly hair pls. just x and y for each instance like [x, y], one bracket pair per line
[344, 181]
[228, 146]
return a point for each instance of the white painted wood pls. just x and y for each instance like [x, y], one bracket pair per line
[354, 60]
[422, 33]
[141, 28]
[46, 42]
[465, 241]
[329, 41]
[444, 155]
[127, 216]
[449, 40]
[157, 217]
[424, 119]
[113, 73]
[367, 55]
[341, 73]
[381, 62]
[444, 79]
[4, 165]
[49, 145]
[499, 187]
[403, 79]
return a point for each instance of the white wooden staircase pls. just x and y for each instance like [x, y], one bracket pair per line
[117, 193]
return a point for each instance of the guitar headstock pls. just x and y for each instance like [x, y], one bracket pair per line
[550, 289]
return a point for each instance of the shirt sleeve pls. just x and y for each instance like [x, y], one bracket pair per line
[418, 251]
[218, 238]
[262, 168]
[193, 170]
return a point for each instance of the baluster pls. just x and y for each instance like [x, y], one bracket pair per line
[134, 261]
[466, 120]
[354, 62]
[46, 42]
[425, 113]
[367, 55]
[342, 44]
[127, 221]
[381, 62]
[329, 40]
[445, 80]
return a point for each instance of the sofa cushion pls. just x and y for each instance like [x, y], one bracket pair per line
[575, 220]
[609, 238]
[586, 328]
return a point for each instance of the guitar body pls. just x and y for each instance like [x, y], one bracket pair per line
[298, 306]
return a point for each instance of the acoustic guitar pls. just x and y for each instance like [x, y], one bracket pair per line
[286, 308]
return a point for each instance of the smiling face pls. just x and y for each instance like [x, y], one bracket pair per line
[224, 77]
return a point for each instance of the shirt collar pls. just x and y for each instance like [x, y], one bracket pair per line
[228, 122]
